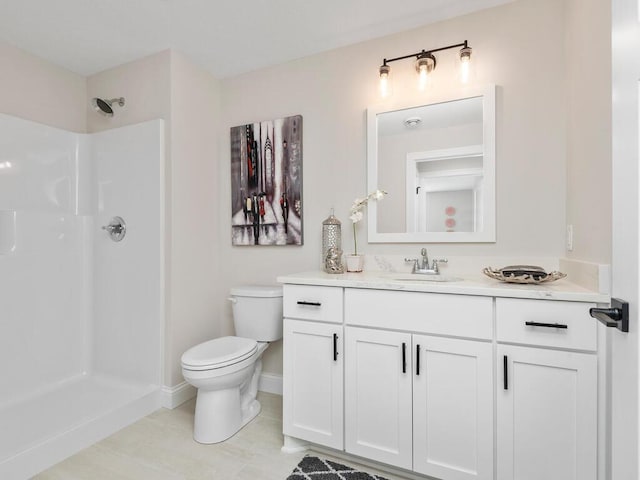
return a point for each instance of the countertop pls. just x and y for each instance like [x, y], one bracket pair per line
[473, 284]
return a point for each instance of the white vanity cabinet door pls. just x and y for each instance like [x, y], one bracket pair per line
[547, 414]
[378, 422]
[313, 382]
[453, 408]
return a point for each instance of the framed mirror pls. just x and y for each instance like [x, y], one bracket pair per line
[437, 162]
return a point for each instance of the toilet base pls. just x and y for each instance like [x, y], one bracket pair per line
[220, 414]
[210, 426]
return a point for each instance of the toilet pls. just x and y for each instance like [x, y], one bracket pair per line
[226, 370]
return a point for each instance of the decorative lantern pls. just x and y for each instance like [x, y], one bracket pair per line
[332, 245]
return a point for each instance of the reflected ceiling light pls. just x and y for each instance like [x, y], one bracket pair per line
[425, 64]
[412, 122]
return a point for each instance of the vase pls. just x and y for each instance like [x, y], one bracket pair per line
[354, 263]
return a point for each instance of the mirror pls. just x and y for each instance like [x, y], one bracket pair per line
[437, 162]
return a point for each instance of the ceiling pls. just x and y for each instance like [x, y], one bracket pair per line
[227, 37]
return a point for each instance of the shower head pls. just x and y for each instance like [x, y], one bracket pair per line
[104, 106]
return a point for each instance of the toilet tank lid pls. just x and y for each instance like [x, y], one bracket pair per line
[257, 291]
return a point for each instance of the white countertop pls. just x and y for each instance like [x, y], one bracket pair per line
[475, 284]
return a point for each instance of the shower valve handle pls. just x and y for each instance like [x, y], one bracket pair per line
[116, 229]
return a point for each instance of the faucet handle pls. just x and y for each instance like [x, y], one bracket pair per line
[436, 261]
[415, 263]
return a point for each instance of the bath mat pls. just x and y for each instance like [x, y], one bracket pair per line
[314, 468]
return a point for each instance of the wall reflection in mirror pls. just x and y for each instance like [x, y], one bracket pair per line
[437, 163]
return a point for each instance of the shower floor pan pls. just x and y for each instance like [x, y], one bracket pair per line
[43, 430]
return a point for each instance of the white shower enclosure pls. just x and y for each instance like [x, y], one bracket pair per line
[81, 316]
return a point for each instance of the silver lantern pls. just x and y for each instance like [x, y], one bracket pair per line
[332, 245]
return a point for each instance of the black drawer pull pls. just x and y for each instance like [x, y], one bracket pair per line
[309, 304]
[417, 359]
[335, 347]
[404, 357]
[548, 325]
[505, 377]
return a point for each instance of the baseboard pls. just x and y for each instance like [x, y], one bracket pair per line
[183, 392]
[177, 395]
[270, 383]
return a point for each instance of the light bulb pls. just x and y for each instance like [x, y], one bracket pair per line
[425, 63]
[385, 88]
[465, 64]
[423, 77]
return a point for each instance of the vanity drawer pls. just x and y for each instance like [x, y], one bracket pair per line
[313, 303]
[575, 330]
[441, 314]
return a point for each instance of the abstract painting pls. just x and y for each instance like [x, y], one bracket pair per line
[266, 182]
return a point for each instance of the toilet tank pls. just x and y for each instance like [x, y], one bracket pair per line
[257, 312]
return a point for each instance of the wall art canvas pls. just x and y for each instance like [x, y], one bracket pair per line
[266, 182]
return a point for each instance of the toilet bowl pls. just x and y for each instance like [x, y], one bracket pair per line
[226, 370]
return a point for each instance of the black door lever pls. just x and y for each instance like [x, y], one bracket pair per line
[615, 316]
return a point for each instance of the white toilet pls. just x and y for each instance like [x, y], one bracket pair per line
[226, 370]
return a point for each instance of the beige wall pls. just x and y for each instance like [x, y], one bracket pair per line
[517, 46]
[34, 89]
[588, 54]
[168, 86]
[194, 199]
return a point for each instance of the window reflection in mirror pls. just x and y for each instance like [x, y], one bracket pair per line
[435, 163]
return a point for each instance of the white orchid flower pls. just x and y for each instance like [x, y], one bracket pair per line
[356, 216]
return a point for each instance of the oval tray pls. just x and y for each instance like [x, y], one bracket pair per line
[522, 279]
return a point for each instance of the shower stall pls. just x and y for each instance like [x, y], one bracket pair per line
[81, 315]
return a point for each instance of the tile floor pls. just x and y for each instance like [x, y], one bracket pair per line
[161, 447]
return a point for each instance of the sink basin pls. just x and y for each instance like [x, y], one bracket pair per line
[415, 277]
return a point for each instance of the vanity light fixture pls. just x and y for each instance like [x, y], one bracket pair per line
[425, 64]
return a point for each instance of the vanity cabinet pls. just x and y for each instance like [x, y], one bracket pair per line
[420, 402]
[453, 408]
[378, 403]
[415, 398]
[452, 386]
[313, 365]
[546, 398]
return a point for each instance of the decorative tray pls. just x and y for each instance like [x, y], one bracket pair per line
[524, 274]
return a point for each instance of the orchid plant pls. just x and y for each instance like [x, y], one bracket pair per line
[355, 214]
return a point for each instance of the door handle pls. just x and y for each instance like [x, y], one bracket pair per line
[417, 359]
[335, 347]
[616, 316]
[404, 357]
[505, 375]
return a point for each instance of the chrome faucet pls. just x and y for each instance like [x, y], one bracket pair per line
[425, 259]
[422, 266]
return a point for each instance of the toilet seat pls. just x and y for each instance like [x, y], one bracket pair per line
[219, 353]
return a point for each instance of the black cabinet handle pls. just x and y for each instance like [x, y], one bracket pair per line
[417, 359]
[505, 378]
[309, 304]
[335, 347]
[548, 325]
[404, 357]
